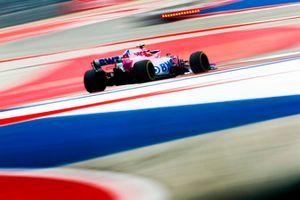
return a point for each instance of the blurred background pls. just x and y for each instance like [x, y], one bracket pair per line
[16, 12]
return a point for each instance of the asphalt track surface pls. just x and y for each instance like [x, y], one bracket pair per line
[239, 162]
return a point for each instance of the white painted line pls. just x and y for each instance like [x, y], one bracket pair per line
[270, 80]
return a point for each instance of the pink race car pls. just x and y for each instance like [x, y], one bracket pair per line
[139, 65]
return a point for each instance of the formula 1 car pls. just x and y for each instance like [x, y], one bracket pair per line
[140, 65]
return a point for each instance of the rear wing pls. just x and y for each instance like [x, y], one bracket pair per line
[98, 63]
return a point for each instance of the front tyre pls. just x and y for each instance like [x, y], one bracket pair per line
[144, 71]
[94, 81]
[199, 62]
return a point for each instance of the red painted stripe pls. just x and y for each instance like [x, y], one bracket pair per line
[22, 118]
[159, 37]
[33, 188]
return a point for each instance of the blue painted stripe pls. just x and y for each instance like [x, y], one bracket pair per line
[244, 4]
[56, 141]
[154, 84]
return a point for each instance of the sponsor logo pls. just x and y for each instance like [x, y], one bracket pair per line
[157, 70]
[164, 67]
[108, 61]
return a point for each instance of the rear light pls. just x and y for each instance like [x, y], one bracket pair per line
[180, 13]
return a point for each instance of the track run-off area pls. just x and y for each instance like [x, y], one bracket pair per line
[228, 133]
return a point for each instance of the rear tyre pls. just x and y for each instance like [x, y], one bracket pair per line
[94, 81]
[144, 71]
[199, 62]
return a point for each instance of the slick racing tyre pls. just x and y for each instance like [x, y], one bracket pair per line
[94, 81]
[199, 62]
[144, 71]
